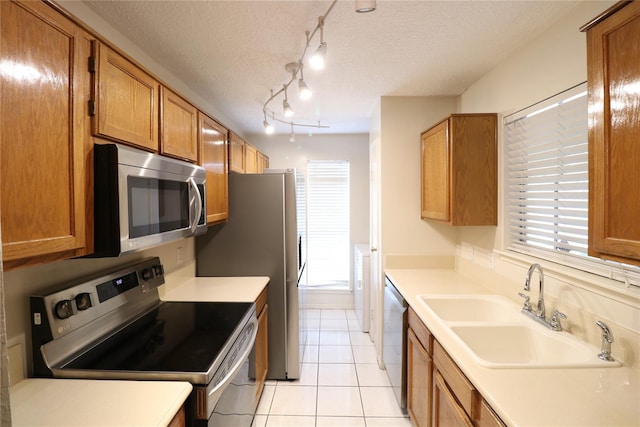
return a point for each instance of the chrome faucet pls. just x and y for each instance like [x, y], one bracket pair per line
[540, 315]
[540, 312]
[607, 339]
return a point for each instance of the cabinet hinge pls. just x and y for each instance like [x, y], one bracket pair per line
[92, 107]
[92, 64]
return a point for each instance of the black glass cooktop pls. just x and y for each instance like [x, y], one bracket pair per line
[174, 337]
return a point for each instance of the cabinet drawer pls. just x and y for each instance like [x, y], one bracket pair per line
[464, 391]
[488, 418]
[421, 331]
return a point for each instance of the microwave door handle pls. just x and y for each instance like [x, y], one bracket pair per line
[198, 202]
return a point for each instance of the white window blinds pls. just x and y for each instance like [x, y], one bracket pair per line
[328, 223]
[547, 174]
[547, 184]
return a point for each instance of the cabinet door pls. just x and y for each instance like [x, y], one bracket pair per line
[126, 100]
[236, 153]
[263, 162]
[179, 124]
[614, 125]
[419, 381]
[213, 157]
[45, 153]
[250, 159]
[435, 173]
[446, 410]
[488, 418]
[262, 351]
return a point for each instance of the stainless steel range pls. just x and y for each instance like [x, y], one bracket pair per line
[114, 326]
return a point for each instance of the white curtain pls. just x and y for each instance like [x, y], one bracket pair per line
[5, 404]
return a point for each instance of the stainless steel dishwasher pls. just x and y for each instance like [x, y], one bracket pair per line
[394, 350]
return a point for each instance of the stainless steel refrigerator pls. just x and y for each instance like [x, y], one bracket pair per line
[261, 238]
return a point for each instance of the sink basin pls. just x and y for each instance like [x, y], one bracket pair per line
[472, 308]
[524, 346]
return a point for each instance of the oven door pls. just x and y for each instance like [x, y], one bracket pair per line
[231, 397]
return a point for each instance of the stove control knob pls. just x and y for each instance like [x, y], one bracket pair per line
[64, 309]
[147, 274]
[83, 301]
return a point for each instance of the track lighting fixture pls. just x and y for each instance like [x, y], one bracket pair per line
[292, 137]
[364, 6]
[303, 90]
[316, 61]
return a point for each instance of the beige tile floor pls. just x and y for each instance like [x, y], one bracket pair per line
[340, 383]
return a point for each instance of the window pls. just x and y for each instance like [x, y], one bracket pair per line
[328, 224]
[547, 183]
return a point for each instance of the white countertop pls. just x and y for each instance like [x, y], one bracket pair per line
[528, 397]
[68, 403]
[216, 289]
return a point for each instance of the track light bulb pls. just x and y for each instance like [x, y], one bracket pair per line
[317, 60]
[288, 111]
[268, 128]
[303, 90]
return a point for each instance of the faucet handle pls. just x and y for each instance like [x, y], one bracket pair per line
[555, 320]
[607, 339]
[527, 304]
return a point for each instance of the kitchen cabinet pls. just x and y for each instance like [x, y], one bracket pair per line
[613, 54]
[213, 157]
[454, 397]
[459, 170]
[236, 153]
[261, 346]
[439, 394]
[179, 420]
[46, 164]
[178, 126]
[125, 100]
[250, 158]
[419, 371]
[263, 162]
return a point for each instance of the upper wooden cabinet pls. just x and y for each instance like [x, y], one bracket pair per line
[236, 153]
[459, 170]
[263, 162]
[213, 157]
[250, 158]
[179, 127]
[46, 164]
[613, 73]
[125, 100]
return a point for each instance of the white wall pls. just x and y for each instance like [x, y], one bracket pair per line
[403, 119]
[351, 147]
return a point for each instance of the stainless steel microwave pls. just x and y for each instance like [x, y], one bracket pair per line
[142, 199]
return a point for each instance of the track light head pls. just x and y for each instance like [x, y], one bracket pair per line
[303, 90]
[288, 111]
[268, 128]
[364, 6]
[318, 59]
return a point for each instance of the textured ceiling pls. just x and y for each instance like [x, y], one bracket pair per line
[233, 52]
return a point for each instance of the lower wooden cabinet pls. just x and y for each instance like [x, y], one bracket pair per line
[439, 394]
[179, 420]
[419, 370]
[447, 412]
[262, 343]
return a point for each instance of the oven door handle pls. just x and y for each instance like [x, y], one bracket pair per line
[219, 388]
[197, 200]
